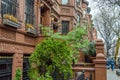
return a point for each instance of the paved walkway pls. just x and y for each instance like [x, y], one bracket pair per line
[111, 75]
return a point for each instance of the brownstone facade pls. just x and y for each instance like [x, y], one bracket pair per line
[18, 40]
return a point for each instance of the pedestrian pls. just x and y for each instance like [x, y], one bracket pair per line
[112, 64]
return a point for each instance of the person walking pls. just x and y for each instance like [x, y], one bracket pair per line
[112, 64]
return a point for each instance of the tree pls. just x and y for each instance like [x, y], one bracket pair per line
[109, 2]
[75, 38]
[107, 22]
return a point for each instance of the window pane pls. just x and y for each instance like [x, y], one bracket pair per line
[9, 7]
[77, 2]
[29, 12]
[64, 1]
[78, 18]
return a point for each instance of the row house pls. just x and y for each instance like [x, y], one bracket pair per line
[21, 28]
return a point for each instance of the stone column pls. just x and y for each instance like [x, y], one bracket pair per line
[100, 67]
[21, 14]
[17, 62]
[99, 46]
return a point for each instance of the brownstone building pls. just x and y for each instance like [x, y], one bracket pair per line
[20, 28]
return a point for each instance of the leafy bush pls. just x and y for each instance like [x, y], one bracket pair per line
[45, 30]
[90, 49]
[18, 74]
[75, 38]
[50, 56]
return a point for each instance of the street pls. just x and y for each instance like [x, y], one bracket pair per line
[111, 75]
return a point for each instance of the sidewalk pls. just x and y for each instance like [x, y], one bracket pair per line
[111, 75]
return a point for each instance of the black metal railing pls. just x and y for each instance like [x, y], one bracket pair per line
[82, 76]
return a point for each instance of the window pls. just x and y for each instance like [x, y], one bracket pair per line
[29, 12]
[78, 18]
[65, 27]
[65, 2]
[9, 7]
[26, 67]
[5, 67]
[77, 2]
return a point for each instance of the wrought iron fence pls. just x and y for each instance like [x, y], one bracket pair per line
[82, 76]
[57, 76]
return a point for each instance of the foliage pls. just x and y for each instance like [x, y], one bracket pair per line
[50, 55]
[90, 49]
[46, 31]
[18, 74]
[107, 22]
[109, 2]
[76, 39]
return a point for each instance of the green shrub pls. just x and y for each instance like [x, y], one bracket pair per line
[75, 38]
[51, 55]
[18, 74]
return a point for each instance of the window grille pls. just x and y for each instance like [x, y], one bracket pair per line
[5, 67]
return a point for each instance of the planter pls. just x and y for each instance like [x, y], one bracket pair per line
[92, 58]
[32, 31]
[11, 23]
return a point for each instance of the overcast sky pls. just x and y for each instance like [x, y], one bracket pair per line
[94, 11]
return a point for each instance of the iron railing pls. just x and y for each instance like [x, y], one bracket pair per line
[82, 76]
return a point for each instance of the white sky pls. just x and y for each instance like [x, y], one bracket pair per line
[94, 10]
